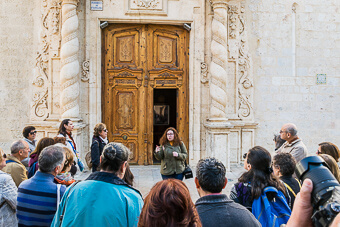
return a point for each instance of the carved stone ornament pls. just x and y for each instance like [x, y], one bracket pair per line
[204, 73]
[86, 71]
[245, 83]
[147, 3]
[233, 17]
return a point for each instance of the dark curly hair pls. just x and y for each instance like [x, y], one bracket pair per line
[286, 163]
[260, 175]
[164, 138]
[169, 204]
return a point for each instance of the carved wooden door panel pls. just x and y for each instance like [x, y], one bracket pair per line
[137, 59]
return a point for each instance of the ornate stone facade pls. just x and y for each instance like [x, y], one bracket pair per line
[248, 68]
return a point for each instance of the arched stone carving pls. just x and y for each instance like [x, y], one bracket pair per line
[69, 73]
[218, 66]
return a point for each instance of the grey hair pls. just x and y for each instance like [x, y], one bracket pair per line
[50, 158]
[113, 157]
[292, 129]
[17, 146]
[210, 173]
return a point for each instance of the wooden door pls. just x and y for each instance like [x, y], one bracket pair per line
[137, 59]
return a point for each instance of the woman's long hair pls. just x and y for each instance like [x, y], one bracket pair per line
[62, 129]
[164, 139]
[44, 142]
[261, 174]
[332, 165]
[169, 204]
[330, 149]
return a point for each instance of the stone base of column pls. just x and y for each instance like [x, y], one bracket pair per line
[217, 140]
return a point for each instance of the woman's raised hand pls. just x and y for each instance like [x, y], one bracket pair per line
[158, 148]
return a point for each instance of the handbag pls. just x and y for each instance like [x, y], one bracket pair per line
[187, 171]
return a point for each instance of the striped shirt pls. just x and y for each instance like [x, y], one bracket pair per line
[37, 200]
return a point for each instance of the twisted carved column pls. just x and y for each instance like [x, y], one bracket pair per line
[69, 73]
[219, 53]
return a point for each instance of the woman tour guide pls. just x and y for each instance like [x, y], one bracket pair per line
[172, 153]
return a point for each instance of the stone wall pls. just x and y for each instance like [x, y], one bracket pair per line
[18, 38]
[284, 93]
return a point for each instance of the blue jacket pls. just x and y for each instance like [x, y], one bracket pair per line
[102, 199]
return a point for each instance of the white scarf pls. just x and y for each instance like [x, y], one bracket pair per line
[104, 140]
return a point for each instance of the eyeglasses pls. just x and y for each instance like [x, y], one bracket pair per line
[34, 132]
[245, 155]
[282, 131]
[318, 152]
[170, 134]
[4, 156]
[105, 130]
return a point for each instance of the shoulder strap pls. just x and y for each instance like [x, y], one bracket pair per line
[8, 161]
[290, 189]
[64, 208]
[298, 182]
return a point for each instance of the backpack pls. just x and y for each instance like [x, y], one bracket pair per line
[32, 170]
[271, 213]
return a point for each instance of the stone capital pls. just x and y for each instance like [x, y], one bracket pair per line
[72, 2]
[219, 4]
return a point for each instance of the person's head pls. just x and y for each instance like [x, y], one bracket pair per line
[2, 159]
[169, 204]
[278, 141]
[114, 159]
[283, 164]
[128, 176]
[20, 149]
[60, 139]
[100, 130]
[44, 142]
[65, 126]
[288, 132]
[29, 132]
[260, 173]
[51, 160]
[333, 166]
[69, 158]
[330, 149]
[210, 176]
[170, 135]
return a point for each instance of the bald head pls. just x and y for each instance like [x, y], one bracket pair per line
[290, 128]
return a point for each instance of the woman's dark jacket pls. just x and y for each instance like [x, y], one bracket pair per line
[97, 147]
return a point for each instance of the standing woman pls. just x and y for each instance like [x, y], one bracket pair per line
[99, 140]
[172, 153]
[65, 130]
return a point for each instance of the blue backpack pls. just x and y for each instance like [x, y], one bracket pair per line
[271, 213]
[32, 170]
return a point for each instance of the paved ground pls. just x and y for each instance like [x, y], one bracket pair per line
[147, 176]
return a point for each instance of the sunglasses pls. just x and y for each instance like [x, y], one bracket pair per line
[4, 156]
[245, 155]
[105, 130]
[34, 132]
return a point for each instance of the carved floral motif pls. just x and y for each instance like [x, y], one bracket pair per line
[86, 71]
[204, 72]
[233, 11]
[146, 3]
[125, 110]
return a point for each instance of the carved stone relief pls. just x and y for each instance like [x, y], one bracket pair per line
[151, 7]
[49, 45]
[233, 32]
[146, 3]
[204, 73]
[245, 83]
[86, 71]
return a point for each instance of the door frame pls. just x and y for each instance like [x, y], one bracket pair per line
[148, 159]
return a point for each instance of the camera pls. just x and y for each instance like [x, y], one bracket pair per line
[326, 189]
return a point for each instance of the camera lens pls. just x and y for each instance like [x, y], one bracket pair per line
[316, 169]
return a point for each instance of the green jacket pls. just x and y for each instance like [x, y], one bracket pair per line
[170, 164]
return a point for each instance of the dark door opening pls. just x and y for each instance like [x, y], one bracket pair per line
[164, 113]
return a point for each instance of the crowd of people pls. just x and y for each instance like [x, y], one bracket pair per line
[37, 185]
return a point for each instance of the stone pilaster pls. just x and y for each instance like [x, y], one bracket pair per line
[69, 73]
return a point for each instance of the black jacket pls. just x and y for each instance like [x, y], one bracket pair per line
[294, 185]
[218, 210]
[97, 147]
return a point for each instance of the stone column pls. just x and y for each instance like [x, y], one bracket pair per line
[218, 127]
[69, 73]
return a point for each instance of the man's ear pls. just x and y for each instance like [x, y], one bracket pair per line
[197, 183]
[225, 183]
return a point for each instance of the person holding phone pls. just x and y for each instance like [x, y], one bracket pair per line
[172, 154]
